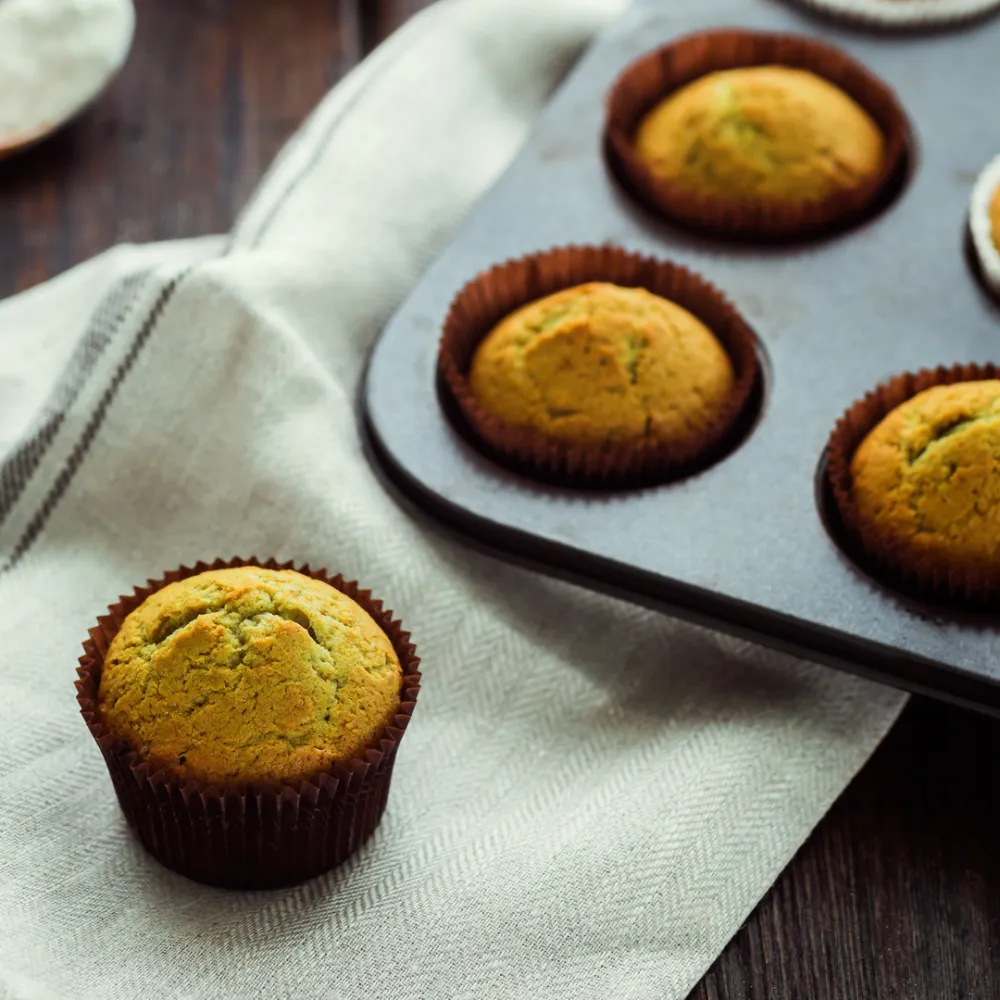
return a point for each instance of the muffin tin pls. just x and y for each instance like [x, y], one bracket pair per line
[749, 545]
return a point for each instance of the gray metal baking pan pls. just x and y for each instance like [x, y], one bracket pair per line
[742, 546]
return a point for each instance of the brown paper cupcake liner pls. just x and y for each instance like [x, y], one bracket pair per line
[653, 77]
[250, 837]
[494, 294]
[925, 578]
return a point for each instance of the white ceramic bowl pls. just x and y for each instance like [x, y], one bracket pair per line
[905, 13]
[117, 31]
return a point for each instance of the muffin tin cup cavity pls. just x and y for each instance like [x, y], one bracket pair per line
[250, 837]
[655, 76]
[925, 578]
[491, 296]
[981, 225]
[903, 13]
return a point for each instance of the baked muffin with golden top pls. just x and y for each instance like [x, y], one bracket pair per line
[598, 364]
[249, 675]
[926, 481]
[770, 134]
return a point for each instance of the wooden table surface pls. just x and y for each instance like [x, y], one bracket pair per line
[897, 894]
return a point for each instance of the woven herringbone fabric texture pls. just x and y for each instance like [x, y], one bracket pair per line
[591, 797]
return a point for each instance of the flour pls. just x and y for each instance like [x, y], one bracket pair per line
[55, 57]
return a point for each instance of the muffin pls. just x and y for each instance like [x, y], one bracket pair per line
[762, 133]
[249, 675]
[598, 364]
[984, 224]
[592, 367]
[925, 484]
[249, 717]
[755, 135]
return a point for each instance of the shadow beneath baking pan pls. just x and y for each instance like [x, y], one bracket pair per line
[651, 672]
[648, 663]
[678, 667]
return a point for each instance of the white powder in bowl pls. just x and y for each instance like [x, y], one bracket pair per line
[55, 57]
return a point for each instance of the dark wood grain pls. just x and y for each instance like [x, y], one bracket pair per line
[380, 19]
[897, 894]
[210, 92]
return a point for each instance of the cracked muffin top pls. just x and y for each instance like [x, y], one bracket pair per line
[249, 675]
[763, 133]
[926, 480]
[598, 364]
